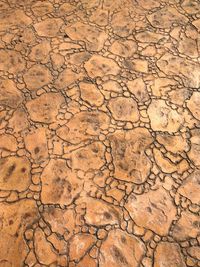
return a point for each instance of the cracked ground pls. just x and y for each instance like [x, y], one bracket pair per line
[100, 133]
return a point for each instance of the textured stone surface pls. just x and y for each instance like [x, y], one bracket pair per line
[153, 210]
[99, 133]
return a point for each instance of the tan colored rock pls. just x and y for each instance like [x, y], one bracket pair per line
[128, 152]
[98, 66]
[40, 52]
[64, 47]
[122, 24]
[112, 86]
[36, 144]
[57, 60]
[124, 109]
[59, 184]
[166, 17]
[15, 218]
[91, 157]
[44, 248]
[194, 105]
[67, 78]
[196, 23]
[179, 97]
[188, 226]
[91, 94]
[187, 70]
[80, 244]
[167, 165]
[190, 187]
[194, 252]
[19, 120]
[164, 118]
[93, 37]
[190, 6]
[194, 153]
[61, 221]
[87, 261]
[49, 27]
[41, 8]
[14, 173]
[103, 214]
[123, 48]
[161, 86]
[140, 65]
[173, 143]
[66, 9]
[37, 76]
[149, 5]
[138, 88]
[45, 107]
[8, 143]
[153, 210]
[9, 94]
[100, 17]
[188, 47]
[84, 126]
[121, 249]
[168, 254]
[149, 37]
[13, 18]
[11, 61]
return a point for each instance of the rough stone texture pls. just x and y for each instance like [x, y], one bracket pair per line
[121, 249]
[99, 133]
[153, 210]
[168, 253]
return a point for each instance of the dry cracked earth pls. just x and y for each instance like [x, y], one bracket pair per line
[100, 133]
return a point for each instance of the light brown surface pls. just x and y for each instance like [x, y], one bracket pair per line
[99, 133]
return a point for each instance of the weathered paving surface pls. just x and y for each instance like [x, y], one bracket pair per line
[100, 133]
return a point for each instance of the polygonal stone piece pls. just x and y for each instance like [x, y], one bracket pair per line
[11, 61]
[49, 27]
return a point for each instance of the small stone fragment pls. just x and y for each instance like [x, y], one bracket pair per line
[49, 27]
[91, 94]
[8, 143]
[138, 88]
[67, 78]
[41, 8]
[11, 61]
[194, 105]
[123, 48]
[40, 52]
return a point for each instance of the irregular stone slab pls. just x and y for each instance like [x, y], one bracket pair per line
[9, 94]
[99, 66]
[128, 152]
[41, 8]
[124, 109]
[11, 61]
[164, 118]
[8, 143]
[66, 9]
[196, 23]
[93, 37]
[161, 86]
[19, 120]
[84, 126]
[121, 249]
[91, 157]
[67, 78]
[49, 27]
[149, 5]
[40, 52]
[15, 218]
[190, 187]
[138, 88]
[61, 221]
[194, 252]
[91, 94]
[173, 143]
[13, 18]
[112, 86]
[149, 37]
[122, 24]
[100, 17]
[153, 210]
[166, 17]
[123, 48]
[188, 46]
[37, 76]
[59, 184]
[87, 261]
[188, 226]
[36, 144]
[194, 153]
[103, 214]
[191, 6]
[194, 105]
[188, 71]
[167, 165]
[140, 65]
[168, 254]
[44, 248]
[14, 173]
[80, 244]
[45, 107]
